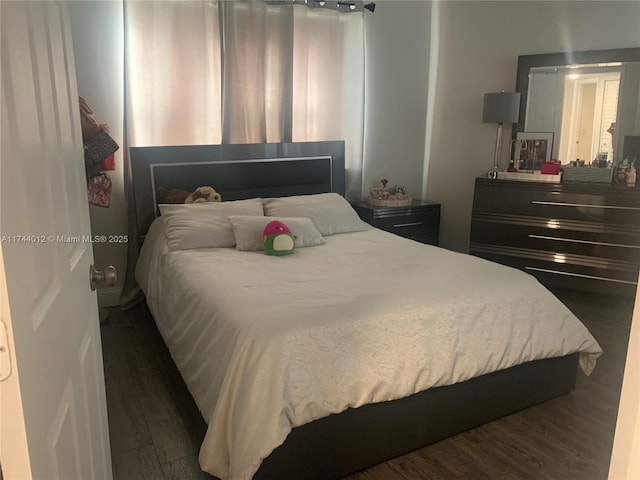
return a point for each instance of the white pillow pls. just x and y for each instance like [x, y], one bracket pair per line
[203, 225]
[248, 231]
[329, 212]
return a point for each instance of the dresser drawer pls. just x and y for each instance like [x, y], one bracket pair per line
[616, 242]
[580, 236]
[614, 208]
[580, 273]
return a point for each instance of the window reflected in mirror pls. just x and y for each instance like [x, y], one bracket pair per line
[589, 107]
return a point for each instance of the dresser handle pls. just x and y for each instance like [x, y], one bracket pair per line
[586, 205]
[412, 224]
[590, 242]
[581, 275]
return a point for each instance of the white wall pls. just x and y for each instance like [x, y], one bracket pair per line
[479, 44]
[396, 78]
[97, 31]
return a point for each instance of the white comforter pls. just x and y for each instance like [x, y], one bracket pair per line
[268, 343]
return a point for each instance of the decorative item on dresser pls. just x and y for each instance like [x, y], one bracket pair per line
[581, 236]
[534, 148]
[384, 197]
[419, 221]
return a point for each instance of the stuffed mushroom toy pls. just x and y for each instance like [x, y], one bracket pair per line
[277, 239]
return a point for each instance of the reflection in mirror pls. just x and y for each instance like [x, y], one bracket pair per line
[580, 103]
[590, 104]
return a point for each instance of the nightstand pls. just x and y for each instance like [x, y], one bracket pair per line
[419, 221]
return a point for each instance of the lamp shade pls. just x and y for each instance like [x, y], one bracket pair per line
[501, 107]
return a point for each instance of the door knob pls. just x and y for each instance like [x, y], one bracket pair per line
[108, 276]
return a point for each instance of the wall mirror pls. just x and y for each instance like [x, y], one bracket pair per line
[590, 101]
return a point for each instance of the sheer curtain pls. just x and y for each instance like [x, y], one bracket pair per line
[173, 73]
[258, 44]
[328, 84]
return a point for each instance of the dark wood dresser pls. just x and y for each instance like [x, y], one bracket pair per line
[574, 235]
[419, 221]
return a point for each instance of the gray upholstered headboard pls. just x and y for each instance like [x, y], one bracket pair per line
[236, 171]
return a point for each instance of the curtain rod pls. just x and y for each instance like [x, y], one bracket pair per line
[345, 6]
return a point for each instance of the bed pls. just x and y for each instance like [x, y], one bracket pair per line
[348, 352]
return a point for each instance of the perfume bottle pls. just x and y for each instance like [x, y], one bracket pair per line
[631, 176]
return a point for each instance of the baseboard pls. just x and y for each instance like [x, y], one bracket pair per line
[109, 297]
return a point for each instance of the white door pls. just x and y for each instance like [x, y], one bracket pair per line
[52, 313]
[584, 132]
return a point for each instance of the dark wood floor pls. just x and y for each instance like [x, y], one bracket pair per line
[156, 430]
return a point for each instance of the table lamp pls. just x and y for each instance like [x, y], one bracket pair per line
[500, 108]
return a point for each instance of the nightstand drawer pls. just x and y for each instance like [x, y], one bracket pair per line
[402, 222]
[419, 221]
[412, 230]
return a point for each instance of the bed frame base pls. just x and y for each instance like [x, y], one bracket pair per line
[341, 444]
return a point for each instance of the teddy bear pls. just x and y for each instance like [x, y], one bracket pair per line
[203, 194]
[177, 195]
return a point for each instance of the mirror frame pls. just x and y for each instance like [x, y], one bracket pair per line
[526, 62]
